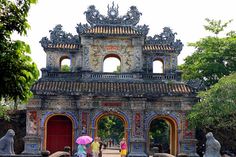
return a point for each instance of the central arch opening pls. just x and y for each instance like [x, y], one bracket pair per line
[111, 129]
[114, 125]
[112, 63]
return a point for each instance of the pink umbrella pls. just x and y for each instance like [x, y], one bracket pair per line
[84, 139]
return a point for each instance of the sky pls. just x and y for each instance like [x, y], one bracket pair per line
[186, 17]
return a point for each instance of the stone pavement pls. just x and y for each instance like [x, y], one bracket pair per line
[110, 153]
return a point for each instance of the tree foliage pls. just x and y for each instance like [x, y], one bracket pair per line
[65, 68]
[216, 111]
[159, 135]
[213, 58]
[111, 127]
[216, 26]
[217, 106]
[118, 69]
[214, 64]
[17, 70]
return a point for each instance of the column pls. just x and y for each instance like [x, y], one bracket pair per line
[137, 142]
[32, 140]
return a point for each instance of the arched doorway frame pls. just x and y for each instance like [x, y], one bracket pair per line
[122, 116]
[160, 60]
[173, 131]
[64, 57]
[44, 123]
[112, 55]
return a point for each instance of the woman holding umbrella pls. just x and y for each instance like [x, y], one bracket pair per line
[81, 151]
[82, 141]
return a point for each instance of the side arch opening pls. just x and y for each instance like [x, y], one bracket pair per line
[58, 133]
[65, 64]
[158, 66]
[163, 135]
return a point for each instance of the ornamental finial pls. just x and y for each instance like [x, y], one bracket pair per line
[113, 12]
[94, 17]
[167, 37]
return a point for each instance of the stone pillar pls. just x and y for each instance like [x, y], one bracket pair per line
[93, 131]
[188, 142]
[86, 59]
[188, 146]
[137, 147]
[32, 145]
[137, 141]
[32, 139]
[52, 60]
[72, 62]
[86, 42]
[78, 60]
[137, 58]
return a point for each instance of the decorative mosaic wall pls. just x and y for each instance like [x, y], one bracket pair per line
[129, 55]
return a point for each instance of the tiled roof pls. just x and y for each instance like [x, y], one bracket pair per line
[111, 88]
[112, 30]
[63, 46]
[157, 48]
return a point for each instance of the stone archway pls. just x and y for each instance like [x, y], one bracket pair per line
[173, 133]
[58, 132]
[120, 116]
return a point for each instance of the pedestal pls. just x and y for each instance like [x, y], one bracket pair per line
[137, 148]
[32, 145]
[188, 146]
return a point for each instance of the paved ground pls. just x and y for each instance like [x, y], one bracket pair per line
[110, 153]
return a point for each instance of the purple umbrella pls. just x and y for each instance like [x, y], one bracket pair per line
[84, 140]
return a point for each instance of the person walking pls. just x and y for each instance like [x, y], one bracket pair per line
[100, 146]
[81, 151]
[89, 150]
[95, 147]
[123, 148]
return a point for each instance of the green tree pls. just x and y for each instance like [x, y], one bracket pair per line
[159, 134]
[216, 111]
[118, 69]
[111, 127]
[65, 68]
[216, 26]
[212, 62]
[214, 56]
[17, 70]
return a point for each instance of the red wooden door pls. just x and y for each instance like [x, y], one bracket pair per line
[59, 133]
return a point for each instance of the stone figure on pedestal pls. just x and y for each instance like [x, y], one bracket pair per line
[7, 143]
[212, 146]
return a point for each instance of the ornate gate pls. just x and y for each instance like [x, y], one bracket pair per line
[59, 133]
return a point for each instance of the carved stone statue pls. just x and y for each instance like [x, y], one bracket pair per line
[212, 146]
[7, 143]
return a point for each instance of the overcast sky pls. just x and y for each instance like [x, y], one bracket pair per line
[186, 17]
